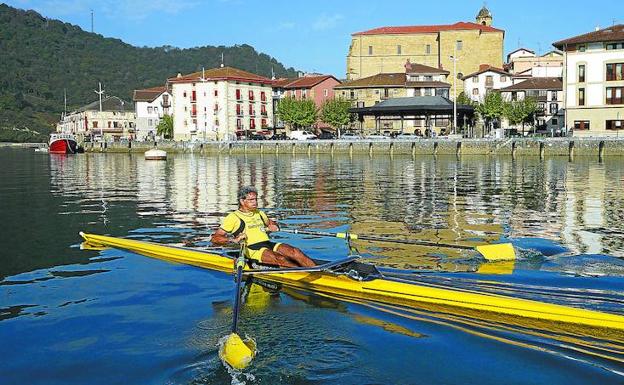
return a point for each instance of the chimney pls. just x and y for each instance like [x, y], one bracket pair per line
[179, 75]
[597, 28]
[483, 67]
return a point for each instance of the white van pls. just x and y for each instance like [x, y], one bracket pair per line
[301, 135]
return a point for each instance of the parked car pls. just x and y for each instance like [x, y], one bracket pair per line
[301, 135]
[327, 135]
[255, 136]
[280, 136]
[407, 135]
[377, 136]
[350, 135]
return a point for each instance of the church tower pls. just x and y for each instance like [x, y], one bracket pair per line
[484, 17]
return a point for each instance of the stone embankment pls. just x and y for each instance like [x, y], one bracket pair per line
[542, 147]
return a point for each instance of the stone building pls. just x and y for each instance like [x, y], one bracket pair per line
[386, 49]
[111, 119]
[220, 104]
[593, 81]
[151, 105]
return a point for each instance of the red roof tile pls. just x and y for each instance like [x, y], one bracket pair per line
[222, 73]
[485, 68]
[148, 94]
[459, 26]
[613, 33]
[537, 84]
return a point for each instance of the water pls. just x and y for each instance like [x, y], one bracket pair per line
[71, 316]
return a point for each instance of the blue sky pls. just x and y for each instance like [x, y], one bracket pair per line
[315, 35]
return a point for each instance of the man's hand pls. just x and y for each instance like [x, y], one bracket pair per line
[273, 227]
[241, 237]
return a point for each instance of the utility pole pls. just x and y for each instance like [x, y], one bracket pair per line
[91, 21]
[100, 92]
[454, 58]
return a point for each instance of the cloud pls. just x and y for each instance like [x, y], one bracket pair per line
[325, 22]
[286, 25]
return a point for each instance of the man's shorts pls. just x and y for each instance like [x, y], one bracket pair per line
[255, 251]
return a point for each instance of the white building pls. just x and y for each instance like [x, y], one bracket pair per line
[151, 105]
[548, 92]
[219, 104]
[488, 78]
[524, 62]
[593, 81]
[113, 120]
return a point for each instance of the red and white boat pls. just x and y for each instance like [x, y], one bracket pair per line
[63, 143]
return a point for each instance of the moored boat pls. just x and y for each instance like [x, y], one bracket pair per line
[63, 143]
[355, 280]
[155, 154]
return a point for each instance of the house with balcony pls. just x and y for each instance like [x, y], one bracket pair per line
[524, 62]
[110, 119]
[548, 93]
[486, 79]
[150, 104]
[593, 81]
[220, 104]
[318, 88]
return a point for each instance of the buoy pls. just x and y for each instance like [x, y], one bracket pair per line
[155, 154]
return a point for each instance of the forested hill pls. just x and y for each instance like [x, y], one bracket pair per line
[40, 57]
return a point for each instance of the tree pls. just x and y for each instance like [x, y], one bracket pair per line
[529, 107]
[165, 127]
[520, 111]
[297, 113]
[335, 112]
[492, 107]
[462, 98]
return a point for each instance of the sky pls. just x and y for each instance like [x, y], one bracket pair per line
[314, 36]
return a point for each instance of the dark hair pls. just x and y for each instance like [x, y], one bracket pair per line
[246, 190]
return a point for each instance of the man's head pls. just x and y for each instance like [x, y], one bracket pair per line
[248, 198]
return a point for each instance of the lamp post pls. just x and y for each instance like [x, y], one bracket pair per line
[454, 58]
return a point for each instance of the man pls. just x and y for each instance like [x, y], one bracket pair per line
[251, 225]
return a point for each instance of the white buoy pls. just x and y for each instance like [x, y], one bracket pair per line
[155, 154]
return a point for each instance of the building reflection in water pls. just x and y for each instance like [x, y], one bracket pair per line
[430, 198]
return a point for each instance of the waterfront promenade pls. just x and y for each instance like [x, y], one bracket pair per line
[542, 147]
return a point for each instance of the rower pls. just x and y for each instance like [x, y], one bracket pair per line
[252, 226]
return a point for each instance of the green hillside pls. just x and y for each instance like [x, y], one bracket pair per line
[39, 58]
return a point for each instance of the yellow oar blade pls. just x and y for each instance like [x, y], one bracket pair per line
[236, 352]
[497, 252]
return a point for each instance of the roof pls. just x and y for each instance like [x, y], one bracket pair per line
[415, 68]
[484, 12]
[148, 94]
[536, 84]
[613, 33]
[110, 103]
[486, 68]
[415, 104]
[222, 73]
[302, 82]
[415, 29]
[383, 79]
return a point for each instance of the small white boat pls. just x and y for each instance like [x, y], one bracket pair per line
[155, 154]
[43, 150]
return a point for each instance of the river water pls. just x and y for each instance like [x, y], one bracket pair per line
[72, 316]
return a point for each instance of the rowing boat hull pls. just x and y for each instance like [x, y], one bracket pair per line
[381, 290]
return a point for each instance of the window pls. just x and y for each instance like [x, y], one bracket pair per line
[370, 49]
[398, 49]
[262, 96]
[615, 71]
[325, 92]
[503, 78]
[184, 94]
[475, 91]
[193, 95]
[581, 73]
[304, 93]
[489, 81]
[554, 107]
[554, 122]
[95, 124]
[238, 110]
[238, 94]
[553, 95]
[251, 110]
[263, 110]
[155, 110]
[581, 124]
[459, 45]
[428, 49]
[581, 96]
[251, 95]
[252, 123]
[352, 94]
[216, 93]
[614, 95]
[614, 124]
[263, 123]
[386, 93]
[216, 107]
[149, 122]
[582, 48]
[239, 123]
[475, 79]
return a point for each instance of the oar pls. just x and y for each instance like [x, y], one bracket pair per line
[235, 351]
[491, 252]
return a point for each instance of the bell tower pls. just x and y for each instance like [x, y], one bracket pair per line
[484, 17]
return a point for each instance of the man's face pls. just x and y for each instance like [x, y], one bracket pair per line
[250, 202]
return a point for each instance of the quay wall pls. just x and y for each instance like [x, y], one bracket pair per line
[505, 147]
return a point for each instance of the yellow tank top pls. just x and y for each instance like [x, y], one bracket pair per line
[253, 224]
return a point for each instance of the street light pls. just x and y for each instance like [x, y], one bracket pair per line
[454, 59]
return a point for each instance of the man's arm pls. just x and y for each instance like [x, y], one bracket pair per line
[221, 238]
[272, 226]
